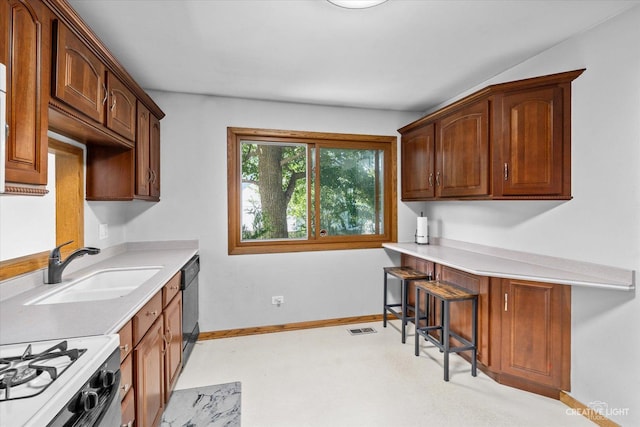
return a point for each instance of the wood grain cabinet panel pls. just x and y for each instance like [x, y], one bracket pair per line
[149, 376]
[147, 155]
[536, 332]
[147, 315]
[121, 108]
[418, 163]
[24, 48]
[79, 78]
[532, 161]
[128, 410]
[462, 152]
[126, 379]
[461, 312]
[173, 336]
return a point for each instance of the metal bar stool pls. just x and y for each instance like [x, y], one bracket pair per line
[446, 294]
[405, 274]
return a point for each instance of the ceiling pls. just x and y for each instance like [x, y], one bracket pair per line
[405, 55]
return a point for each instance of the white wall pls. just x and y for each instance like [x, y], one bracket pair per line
[28, 223]
[602, 222]
[236, 290]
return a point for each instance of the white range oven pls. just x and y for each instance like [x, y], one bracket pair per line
[63, 382]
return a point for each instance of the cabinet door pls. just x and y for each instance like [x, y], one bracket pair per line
[154, 158]
[149, 376]
[536, 332]
[121, 111]
[462, 152]
[143, 172]
[24, 44]
[532, 144]
[147, 155]
[460, 312]
[79, 75]
[173, 333]
[418, 161]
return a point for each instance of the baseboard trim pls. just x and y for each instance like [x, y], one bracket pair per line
[587, 412]
[212, 335]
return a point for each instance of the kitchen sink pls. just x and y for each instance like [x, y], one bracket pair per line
[103, 284]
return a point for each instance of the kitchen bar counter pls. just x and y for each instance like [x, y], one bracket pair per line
[495, 262]
[26, 323]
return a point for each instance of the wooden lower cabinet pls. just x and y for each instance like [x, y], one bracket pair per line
[536, 333]
[461, 311]
[173, 332]
[149, 376]
[524, 328]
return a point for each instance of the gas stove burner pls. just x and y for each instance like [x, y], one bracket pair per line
[23, 374]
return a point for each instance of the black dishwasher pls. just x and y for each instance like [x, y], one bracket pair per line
[189, 286]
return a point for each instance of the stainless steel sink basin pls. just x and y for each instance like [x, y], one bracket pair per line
[103, 284]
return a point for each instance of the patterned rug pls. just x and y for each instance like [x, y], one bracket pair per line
[215, 405]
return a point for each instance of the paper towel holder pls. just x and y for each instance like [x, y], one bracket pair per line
[421, 240]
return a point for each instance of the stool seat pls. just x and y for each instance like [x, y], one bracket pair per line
[406, 275]
[446, 293]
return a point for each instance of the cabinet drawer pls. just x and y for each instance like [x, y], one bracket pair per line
[128, 408]
[148, 314]
[126, 379]
[171, 289]
[126, 340]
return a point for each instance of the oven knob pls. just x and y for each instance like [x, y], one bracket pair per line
[106, 379]
[88, 400]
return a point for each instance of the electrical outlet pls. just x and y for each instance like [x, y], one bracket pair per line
[103, 231]
[277, 300]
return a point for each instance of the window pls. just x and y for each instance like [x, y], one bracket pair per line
[301, 191]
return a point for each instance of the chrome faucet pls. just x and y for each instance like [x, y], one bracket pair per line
[57, 266]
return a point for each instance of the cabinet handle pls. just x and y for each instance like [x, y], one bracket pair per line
[166, 343]
[431, 179]
[152, 313]
[124, 348]
[506, 171]
[129, 424]
[506, 301]
[113, 102]
[106, 94]
[125, 388]
[174, 287]
[438, 178]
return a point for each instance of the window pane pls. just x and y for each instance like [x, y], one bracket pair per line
[274, 191]
[351, 191]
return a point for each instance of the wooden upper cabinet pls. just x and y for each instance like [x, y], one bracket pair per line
[532, 159]
[507, 141]
[24, 46]
[147, 155]
[462, 152]
[121, 108]
[79, 75]
[418, 163]
[154, 158]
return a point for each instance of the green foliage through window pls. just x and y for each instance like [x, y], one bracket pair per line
[280, 189]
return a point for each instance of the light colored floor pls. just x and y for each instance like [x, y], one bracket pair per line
[327, 377]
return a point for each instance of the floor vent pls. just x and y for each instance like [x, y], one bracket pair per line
[362, 331]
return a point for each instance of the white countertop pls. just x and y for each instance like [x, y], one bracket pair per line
[496, 262]
[24, 323]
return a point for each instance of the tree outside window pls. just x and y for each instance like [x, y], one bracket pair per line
[295, 191]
